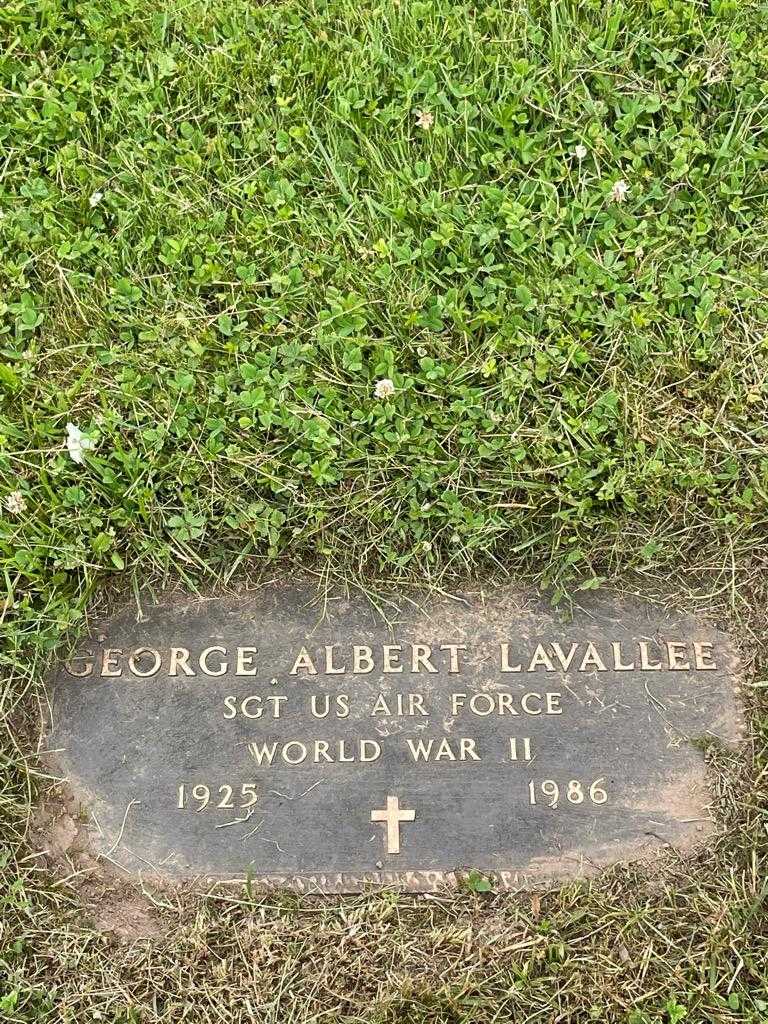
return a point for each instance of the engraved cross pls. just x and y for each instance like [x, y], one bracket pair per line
[393, 816]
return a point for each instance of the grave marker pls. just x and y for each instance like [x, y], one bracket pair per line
[317, 745]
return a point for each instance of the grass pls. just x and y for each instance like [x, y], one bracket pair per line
[222, 225]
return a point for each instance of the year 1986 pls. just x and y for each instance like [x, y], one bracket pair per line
[573, 791]
[201, 796]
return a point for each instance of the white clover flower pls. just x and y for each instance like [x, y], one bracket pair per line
[424, 119]
[580, 152]
[77, 443]
[95, 199]
[619, 191]
[384, 388]
[15, 503]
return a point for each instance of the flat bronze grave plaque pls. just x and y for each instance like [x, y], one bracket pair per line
[315, 744]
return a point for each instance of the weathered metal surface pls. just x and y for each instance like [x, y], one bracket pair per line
[318, 746]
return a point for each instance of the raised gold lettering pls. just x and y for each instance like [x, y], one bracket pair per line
[343, 752]
[407, 704]
[540, 657]
[179, 659]
[301, 752]
[457, 702]
[134, 663]
[262, 753]
[244, 706]
[330, 670]
[505, 665]
[109, 664]
[320, 705]
[618, 664]
[363, 659]
[381, 707]
[87, 668]
[391, 653]
[592, 659]
[420, 655]
[553, 704]
[373, 746]
[253, 706]
[702, 657]
[676, 654]
[453, 652]
[513, 752]
[245, 665]
[645, 664]
[525, 701]
[416, 704]
[296, 752]
[205, 667]
[506, 707]
[476, 704]
[441, 750]
[303, 661]
[420, 749]
[467, 749]
[565, 659]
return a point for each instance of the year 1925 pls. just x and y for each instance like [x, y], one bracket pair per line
[200, 796]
